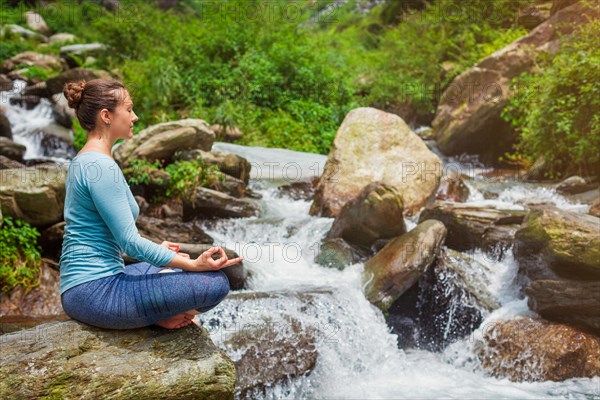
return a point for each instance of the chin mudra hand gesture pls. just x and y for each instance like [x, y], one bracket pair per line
[206, 261]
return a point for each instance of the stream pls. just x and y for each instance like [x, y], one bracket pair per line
[358, 356]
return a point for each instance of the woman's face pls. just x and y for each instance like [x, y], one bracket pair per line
[123, 119]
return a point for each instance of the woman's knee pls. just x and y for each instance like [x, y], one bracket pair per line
[221, 285]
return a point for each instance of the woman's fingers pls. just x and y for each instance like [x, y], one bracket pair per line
[233, 261]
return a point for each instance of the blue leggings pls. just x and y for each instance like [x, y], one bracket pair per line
[141, 296]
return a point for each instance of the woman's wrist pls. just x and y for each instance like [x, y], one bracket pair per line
[184, 263]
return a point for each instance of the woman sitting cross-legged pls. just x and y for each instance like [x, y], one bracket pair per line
[100, 212]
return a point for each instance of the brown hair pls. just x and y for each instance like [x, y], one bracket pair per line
[88, 98]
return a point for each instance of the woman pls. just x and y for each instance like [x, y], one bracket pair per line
[100, 212]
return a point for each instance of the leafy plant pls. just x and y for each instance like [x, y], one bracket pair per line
[557, 108]
[139, 171]
[187, 175]
[20, 257]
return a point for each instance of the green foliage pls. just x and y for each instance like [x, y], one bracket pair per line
[79, 135]
[184, 176]
[20, 258]
[557, 108]
[187, 175]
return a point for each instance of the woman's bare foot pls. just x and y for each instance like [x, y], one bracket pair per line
[176, 322]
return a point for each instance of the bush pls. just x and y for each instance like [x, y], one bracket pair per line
[20, 258]
[558, 116]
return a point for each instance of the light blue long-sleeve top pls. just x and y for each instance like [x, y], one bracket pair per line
[100, 213]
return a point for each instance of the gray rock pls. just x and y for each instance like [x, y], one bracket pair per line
[12, 150]
[16, 30]
[5, 128]
[7, 163]
[36, 22]
[471, 227]
[556, 243]
[372, 145]
[31, 58]
[398, 266]
[73, 360]
[575, 185]
[376, 213]
[572, 302]
[61, 38]
[337, 253]
[208, 203]
[63, 114]
[34, 194]
[202, 134]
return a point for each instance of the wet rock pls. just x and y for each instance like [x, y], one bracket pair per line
[73, 360]
[72, 52]
[471, 227]
[47, 62]
[398, 266]
[536, 350]
[204, 136]
[34, 194]
[157, 229]
[337, 253]
[228, 163]
[61, 38]
[376, 213]
[555, 243]
[468, 118]
[573, 302]
[36, 22]
[51, 240]
[208, 203]
[302, 190]
[12, 150]
[16, 30]
[237, 273]
[41, 301]
[7, 163]
[452, 188]
[447, 303]
[575, 185]
[368, 146]
[272, 354]
[5, 128]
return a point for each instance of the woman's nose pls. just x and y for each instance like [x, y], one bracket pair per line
[135, 117]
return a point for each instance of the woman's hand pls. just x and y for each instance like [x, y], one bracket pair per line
[174, 247]
[205, 261]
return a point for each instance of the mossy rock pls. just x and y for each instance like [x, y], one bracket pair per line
[73, 360]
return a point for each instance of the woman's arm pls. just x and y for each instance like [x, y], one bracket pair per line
[204, 262]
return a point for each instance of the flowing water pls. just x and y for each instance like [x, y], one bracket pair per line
[358, 357]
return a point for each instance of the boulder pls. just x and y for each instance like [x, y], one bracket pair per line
[301, 190]
[376, 213]
[271, 354]
[447, 303]
[61, 38]
[56, 84]
[5, 128]
[12, 150]
[537, 350]
[471, 227]
[7, 163]
[208, 203]
[229, 163]
[575, 185]
[157, 229]
[31, 58]
[468, 118]
[162, 146]
[398, 266]
[16, 30]
[204, 137]
[337, 253]
[36, 22]
[73, 52]
[34, 194]
[51, 240]
[572, 302]
[73, 360]
[372, 145]
[556, 243]
[41, 301]
[452, 188]
[62, 113]
[6, 85]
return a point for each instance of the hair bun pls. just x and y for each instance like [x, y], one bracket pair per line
[73, 92]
